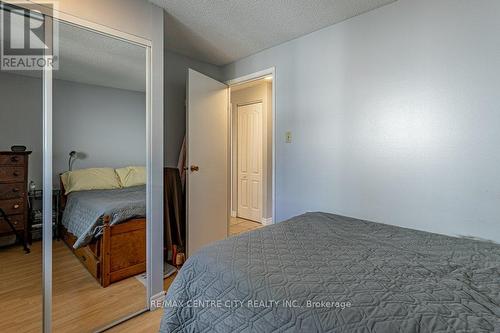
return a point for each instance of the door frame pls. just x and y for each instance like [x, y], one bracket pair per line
[154, 141]
[269, 72]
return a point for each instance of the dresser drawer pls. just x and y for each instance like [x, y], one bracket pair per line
[12, 206]
[11, 174]
[12, 191]
[16, 220]
[12, 160]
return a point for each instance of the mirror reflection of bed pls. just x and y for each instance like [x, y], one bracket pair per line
[99, 159]
[104, 220]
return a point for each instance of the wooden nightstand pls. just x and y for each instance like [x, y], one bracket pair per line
[36, 214]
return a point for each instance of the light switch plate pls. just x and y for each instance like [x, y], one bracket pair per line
[288, 137]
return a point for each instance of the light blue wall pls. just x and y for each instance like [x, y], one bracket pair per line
[108, 125]
[394, 116]
[21, 118]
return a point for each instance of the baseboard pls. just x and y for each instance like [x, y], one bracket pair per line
[234, 213]
[267, 221]
[156, 301]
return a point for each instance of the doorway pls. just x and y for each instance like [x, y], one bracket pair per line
[251, 161]
[212, 159]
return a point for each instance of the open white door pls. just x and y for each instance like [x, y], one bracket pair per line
[207, 160]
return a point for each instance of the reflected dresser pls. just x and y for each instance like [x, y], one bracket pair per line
[13, 193]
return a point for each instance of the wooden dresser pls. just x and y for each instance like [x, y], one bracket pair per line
[13, 192]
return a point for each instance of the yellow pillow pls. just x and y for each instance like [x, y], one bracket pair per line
[91, 179]
[64, 179]
[132, 176]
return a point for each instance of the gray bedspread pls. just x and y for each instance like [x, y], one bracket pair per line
[84, 211]
[327, 273]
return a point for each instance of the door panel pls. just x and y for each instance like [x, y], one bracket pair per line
[207, 138]
[250, 161]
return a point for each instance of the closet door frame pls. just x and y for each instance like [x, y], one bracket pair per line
[154, 139]
[47, 187]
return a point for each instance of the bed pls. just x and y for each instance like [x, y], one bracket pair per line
[106, 230]
[320, 272]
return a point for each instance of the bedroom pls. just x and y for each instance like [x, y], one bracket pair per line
[387, 113]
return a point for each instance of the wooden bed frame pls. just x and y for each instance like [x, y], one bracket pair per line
[118, 254]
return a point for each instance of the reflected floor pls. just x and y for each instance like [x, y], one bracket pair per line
[21, 289]
[80, 304]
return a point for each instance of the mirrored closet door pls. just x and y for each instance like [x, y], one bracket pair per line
[21, 168]
[99, 179]
[74, 104]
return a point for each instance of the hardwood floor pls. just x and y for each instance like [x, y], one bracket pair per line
[148, 322]
[238, 225]
[21, 289]
[80, 304]
[78, 297]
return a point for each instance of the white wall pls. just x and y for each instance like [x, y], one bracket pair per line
[394, 115]
[176, 66]
[261, 92]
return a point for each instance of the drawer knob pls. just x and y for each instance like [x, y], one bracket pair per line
[15, 222]
[15, 190]
[16, 174]
[14, 158]
[16, 206]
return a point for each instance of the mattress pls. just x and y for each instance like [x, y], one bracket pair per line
[84, 211]
[320, 272]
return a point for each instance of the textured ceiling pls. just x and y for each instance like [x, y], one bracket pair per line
[223, 31]
[91, 58]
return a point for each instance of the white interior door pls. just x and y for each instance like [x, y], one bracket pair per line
[250, 162]
[207, 161]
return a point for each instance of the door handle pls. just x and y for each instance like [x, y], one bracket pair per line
[194, 168]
